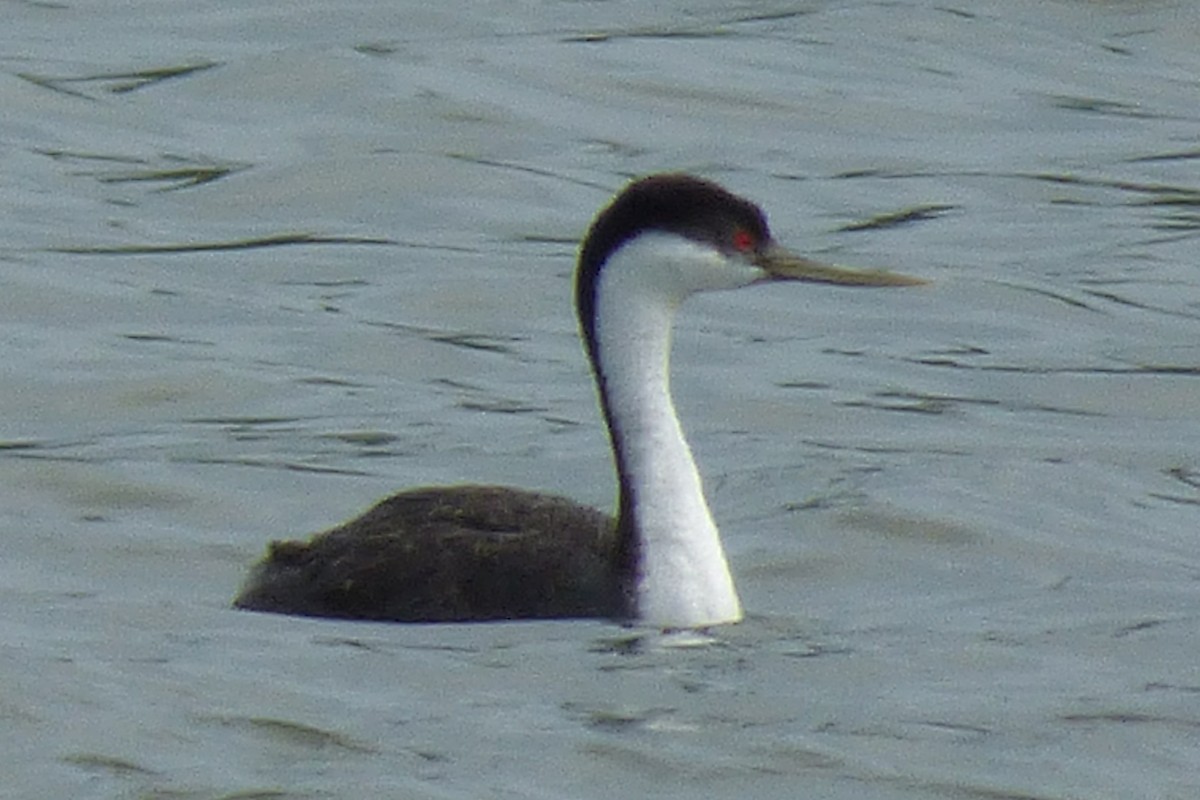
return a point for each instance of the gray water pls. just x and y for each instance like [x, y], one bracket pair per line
[262, 264]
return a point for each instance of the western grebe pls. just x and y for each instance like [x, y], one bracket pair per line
[475, 553]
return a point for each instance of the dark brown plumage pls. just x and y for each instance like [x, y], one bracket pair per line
[461, 553]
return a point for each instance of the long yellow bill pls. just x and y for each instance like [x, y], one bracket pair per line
[781, 264]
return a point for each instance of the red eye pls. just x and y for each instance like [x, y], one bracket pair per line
[743, 240]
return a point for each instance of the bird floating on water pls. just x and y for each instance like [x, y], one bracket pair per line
[478, 553]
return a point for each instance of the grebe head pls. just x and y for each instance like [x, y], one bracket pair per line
[694, 236]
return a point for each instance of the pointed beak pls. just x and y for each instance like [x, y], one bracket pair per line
[781, 264]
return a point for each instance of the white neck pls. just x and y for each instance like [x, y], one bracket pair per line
[683, 579]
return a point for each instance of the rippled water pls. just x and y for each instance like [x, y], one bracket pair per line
[263, 264]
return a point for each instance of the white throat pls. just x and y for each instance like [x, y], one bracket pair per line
[683, 579]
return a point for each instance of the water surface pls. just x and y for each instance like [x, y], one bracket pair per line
[263, 265]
